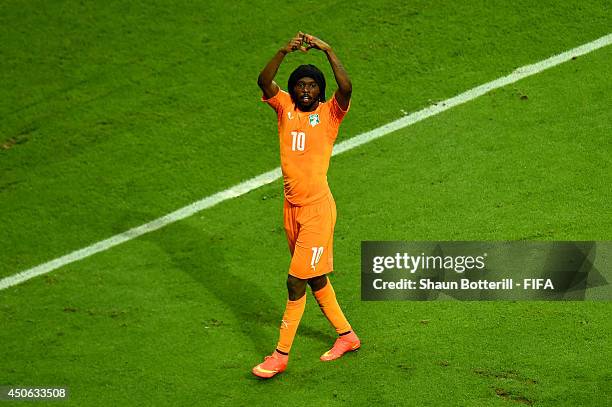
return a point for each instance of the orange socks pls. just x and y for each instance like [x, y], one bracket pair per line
[326, 297]
[289, 325]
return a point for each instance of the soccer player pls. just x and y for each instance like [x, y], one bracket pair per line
[307, 128]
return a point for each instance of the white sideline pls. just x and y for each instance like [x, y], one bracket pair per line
[271, 176]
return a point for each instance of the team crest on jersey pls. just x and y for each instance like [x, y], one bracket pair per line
[313, 119]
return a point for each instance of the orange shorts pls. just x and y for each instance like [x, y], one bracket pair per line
[310, 234]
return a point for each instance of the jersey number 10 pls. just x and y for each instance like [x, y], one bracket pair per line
[316, 256]
[298, 141]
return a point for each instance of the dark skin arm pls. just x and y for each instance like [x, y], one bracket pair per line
[266, 77]
[345, 88]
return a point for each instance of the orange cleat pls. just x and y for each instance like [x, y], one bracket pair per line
[345, 343]
[272, 365]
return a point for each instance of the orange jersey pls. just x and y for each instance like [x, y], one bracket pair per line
[306, 142]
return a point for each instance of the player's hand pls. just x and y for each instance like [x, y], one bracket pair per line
[296, 43]
[316, 43]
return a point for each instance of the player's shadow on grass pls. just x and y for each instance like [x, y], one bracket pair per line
[201, 255]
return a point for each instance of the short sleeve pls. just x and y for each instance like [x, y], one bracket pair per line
[336, 112]
[278, 102]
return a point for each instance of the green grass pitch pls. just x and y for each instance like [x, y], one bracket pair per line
[115, 113]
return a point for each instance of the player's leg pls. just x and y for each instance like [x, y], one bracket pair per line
[296, 290]
[326, 297]
[277, 362]
[323, 290]
[296, 287]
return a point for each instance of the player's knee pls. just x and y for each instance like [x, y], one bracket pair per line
[317, 283]
[296, 288]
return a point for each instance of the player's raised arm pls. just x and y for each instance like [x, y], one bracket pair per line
[345, 88]
[266, 77]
